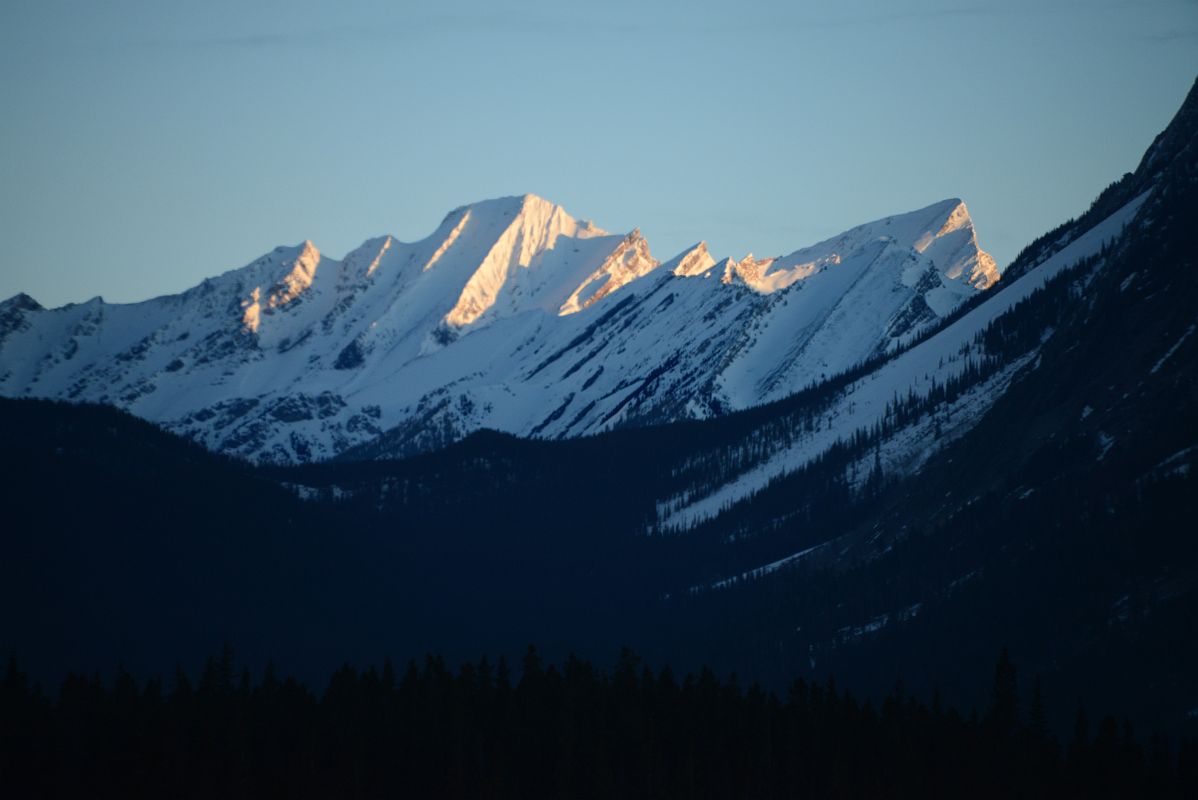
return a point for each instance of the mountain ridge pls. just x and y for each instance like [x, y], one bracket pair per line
[512, 314]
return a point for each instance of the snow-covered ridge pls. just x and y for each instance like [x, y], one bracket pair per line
[914, 373]
[512, 315]
[942, 238]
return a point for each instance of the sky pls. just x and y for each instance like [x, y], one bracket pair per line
[147, 145]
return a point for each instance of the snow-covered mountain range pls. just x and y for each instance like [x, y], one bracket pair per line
[1008, 464]
[512, 315]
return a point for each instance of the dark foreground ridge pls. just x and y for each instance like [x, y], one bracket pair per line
[568, 731]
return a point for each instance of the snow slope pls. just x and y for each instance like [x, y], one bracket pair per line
[512, 315]
[913, 373]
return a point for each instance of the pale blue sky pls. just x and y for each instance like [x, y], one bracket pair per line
[146, 145]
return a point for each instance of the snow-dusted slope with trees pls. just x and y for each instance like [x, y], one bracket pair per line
[512, 315]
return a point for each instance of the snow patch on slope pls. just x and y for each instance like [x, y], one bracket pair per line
[763, 570]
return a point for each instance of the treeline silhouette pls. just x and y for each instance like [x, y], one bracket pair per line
[568, 731]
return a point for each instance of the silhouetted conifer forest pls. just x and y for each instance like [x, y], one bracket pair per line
[553, 731]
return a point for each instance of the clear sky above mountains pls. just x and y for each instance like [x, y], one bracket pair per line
[146, 145]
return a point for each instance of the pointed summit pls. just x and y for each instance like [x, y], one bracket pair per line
[13, 310]
[524, 259]
[300, 274]
[531, 207]
[20, 302]
[695, 260]
[628, 261]
[961, 258]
